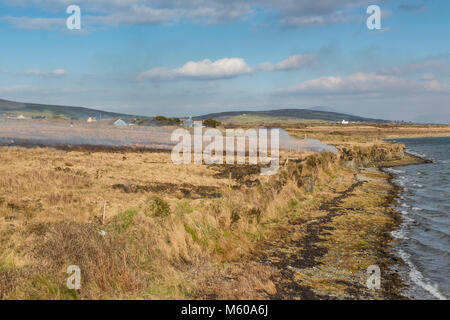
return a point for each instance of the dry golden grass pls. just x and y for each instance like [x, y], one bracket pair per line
[165, 226]
[366, 133]
[168, 231]
[59, 185]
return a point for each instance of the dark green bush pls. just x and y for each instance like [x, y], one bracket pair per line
[234, 216]
[158, 207]
[211, 123]
[256, 213]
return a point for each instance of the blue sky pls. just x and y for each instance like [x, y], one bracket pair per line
[180, 58]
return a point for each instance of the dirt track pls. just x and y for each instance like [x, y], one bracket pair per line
[309, 251]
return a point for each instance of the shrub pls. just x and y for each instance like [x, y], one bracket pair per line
[234, 216]
[211, 123]
[255, 212]
[311, 161]
[124, 219]
[166, 121]
[158, 207]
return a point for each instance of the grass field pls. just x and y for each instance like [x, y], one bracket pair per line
[337, 133]
[140, 227]
[163, 222]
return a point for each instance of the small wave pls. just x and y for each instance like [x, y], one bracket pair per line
[400, 183]
[399, 234]
[395, 170]
[417, 154]
[407, 219]
[417, 208]
[417, 277]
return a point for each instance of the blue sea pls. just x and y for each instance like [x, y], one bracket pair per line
[423, 240]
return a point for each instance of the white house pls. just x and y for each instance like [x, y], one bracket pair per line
[344, 122]
[91, 119]
[120, 123]
[188, 123]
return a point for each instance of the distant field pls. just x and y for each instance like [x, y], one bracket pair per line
[104, 133]
[258, 119]
[330, 133]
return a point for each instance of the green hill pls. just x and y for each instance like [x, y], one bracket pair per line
[284, 115]
[55, 112]
[271, 116]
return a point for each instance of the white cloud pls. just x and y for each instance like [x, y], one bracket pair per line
[36, 72]
[16, 88]
[203, 70]
[296, 61]
[224, 68]
[38, 90]
[439, 65]
[412, 7]
[35, 23]
[290, 13]
[366, 84]
[312, 20]
[158, 73]
[134, 15]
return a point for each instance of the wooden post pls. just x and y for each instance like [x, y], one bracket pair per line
[104, 212]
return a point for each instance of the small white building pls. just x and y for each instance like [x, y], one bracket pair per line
[344, 122]
[120, 123]
[91, 119]
[188, 123]
[21, 117]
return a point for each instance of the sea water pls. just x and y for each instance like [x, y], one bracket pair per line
[423, 239]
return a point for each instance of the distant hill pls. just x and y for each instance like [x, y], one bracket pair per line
[271, 116]
[326, 109]
[281, 114]
[54, 111]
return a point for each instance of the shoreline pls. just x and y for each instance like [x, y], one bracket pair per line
[418, 136]
[323, 251]
[392, 256]
[414, 282]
